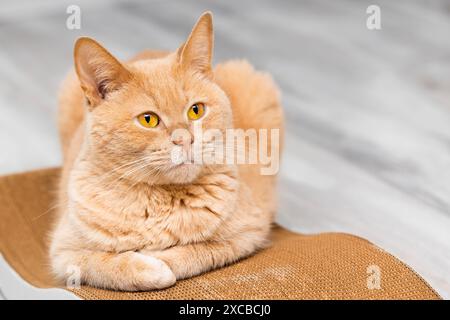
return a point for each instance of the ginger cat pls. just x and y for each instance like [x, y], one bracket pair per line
[130, 218]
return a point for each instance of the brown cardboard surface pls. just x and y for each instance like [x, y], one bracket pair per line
[323, 266]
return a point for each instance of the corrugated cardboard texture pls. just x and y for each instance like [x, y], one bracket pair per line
[324, 266]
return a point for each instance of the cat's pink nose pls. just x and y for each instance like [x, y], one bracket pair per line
[180, 141]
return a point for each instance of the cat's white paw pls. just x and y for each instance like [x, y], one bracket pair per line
[156, 274]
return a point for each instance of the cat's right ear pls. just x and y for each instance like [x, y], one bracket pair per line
[196, 53]
[98, 71]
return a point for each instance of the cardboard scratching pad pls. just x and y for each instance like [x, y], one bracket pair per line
[324, 266]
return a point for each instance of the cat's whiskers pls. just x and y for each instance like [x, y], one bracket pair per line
[144, 162]
[131, 163]
[156, 174]
[107, 174]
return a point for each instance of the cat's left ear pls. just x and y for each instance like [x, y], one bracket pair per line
[196, 53]
[98, 71]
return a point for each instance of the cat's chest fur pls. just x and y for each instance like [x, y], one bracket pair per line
[154, 217]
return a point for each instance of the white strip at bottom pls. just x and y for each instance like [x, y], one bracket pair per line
[13, 287]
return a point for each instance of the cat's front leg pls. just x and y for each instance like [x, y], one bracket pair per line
[127, 271]
[193, 259]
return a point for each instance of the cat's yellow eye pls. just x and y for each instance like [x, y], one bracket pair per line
[148, 120]
[196, 111]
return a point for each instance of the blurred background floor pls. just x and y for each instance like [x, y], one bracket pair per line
[368, 112]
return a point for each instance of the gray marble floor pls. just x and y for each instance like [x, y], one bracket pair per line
[368, 111]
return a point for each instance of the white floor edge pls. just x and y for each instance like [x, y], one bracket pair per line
[13, 287]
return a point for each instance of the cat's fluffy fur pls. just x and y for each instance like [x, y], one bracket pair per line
[143, 225]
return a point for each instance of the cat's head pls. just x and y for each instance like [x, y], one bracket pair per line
[140, 112]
